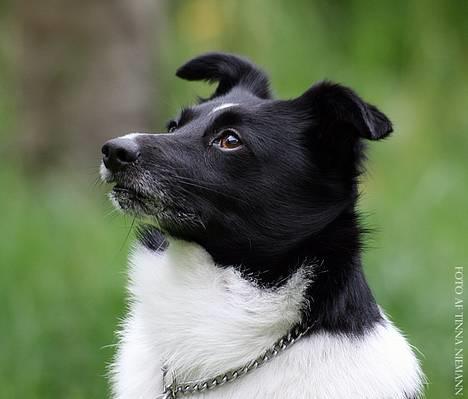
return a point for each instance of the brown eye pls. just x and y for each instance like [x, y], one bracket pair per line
[228, 140]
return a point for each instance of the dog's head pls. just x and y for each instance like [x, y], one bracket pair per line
[245, 175]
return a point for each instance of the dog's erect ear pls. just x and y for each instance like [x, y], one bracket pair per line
[229, 71]
[331, 104]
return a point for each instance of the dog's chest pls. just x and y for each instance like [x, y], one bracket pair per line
[200, 321]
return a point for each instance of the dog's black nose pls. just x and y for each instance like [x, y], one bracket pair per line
[119, 153]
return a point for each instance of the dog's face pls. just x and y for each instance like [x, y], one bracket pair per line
[244, 175]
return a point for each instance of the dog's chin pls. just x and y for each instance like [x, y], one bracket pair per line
[151, 210]
[127, 200]
[135, 204]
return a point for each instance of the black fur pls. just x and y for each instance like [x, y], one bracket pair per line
[229, 70]
[151, 238]
[286, 196]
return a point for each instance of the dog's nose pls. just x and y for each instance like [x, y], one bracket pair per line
[119, 153]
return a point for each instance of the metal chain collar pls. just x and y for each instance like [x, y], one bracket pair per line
[175, 390]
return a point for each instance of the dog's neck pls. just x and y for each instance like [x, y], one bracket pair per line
[320, 284]
[340, 299]
[203, 317]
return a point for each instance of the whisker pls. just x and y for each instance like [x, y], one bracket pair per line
[202, 185]
[128, 235]
[112, 212]
[97, 182]
[214, 191]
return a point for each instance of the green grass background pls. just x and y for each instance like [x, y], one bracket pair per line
[63, 250]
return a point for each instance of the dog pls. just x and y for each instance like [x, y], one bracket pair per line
[246, 280]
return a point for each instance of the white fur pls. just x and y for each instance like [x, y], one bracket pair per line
[222, 106]
[131, 136]
[104, 173]
[201, 320]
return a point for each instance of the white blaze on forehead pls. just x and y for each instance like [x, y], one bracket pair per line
[133, 135]
[222, 106]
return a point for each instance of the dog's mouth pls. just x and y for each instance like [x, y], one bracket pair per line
[150, 200]
[127, 194]
[126, 199]
[120, 189]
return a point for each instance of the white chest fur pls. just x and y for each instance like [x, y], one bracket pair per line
[201, 320]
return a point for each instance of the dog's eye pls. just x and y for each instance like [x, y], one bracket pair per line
[171, 126]
[228, 140]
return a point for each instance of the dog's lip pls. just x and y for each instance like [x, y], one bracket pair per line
[121, 188]
[133, 193]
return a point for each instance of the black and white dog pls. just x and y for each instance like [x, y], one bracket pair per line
[251, 251]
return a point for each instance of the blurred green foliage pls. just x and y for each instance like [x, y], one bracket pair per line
[63, 251]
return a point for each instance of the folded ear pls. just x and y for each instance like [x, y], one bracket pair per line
[229, 71]
[332, 104]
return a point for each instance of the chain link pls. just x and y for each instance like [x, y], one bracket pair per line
[175, 390]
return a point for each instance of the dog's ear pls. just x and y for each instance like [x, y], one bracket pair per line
[229, 71]
[333, 105]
